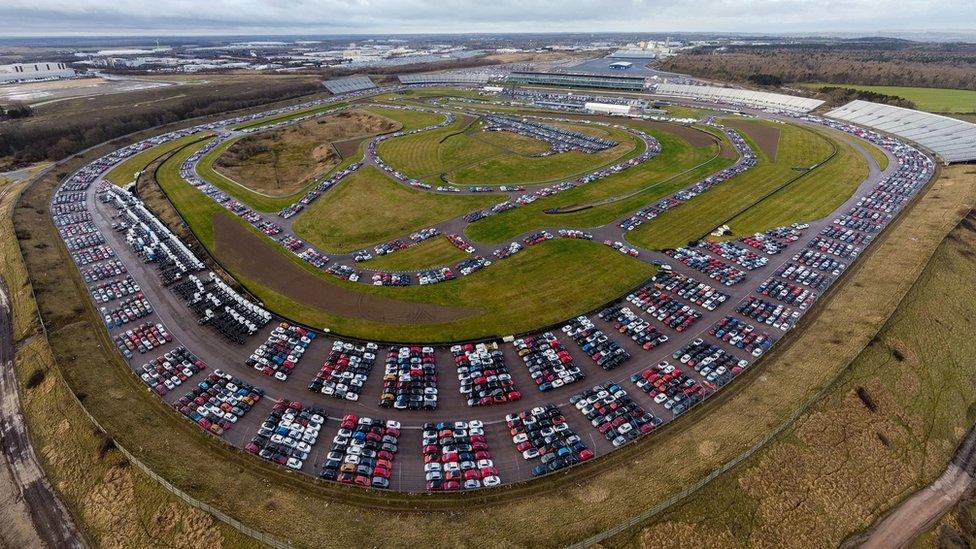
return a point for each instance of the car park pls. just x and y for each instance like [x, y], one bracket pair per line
[670, 387]
[410, 378]
[362, 452]
[168, 371]
[601, 348]
[345, 370]
[741, 335]
[612, 412]
[288, 434]
[628, 322]
[280, 353]
[543, 434]
[777, 316]
[483, 374]
[716, 365]
[549, 363]
[218, 402]
[664, 308]
[457, 457]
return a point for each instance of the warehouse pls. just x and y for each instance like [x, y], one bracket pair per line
[34, 71]
[607, 108]
[621, 65]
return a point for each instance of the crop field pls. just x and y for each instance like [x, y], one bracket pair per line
[760, 194]
[369, 208]
[942, 100]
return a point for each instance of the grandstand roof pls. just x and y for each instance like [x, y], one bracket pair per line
[741, 97]
[349, 84]
[953, 140]
[445, 77]
[580, 79]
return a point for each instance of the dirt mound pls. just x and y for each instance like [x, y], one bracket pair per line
[281, 162]
[244, 252]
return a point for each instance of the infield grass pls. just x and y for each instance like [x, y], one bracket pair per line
[434, 252]
[768, 182]
[368, 208]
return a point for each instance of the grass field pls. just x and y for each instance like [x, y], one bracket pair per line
[678, 165]
[409, 120]
[275, 118]
[518, 144]
[466, 156]
[761, 189]
[888, 427]
[369, 208]
[435, 252]
[125, 173]
[926, 99]
[536, 287]
[611, 489]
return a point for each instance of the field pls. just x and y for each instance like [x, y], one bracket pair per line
[284, 161]
[264, 203]
[927, 99]
[886, 427]
[646, 474]
[678, 165]
[761, 198]
[369, 208]
[434, 252]
[462, 154]
[125, 173]
[531, 289]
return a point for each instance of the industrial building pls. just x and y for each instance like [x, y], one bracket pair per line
[608, 81]
[621, 65]
[607, 108]
[20, 72]
[736, 96]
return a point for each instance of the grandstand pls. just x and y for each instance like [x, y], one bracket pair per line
[445, 78]
[951, 139]
[748, 98]
[586, 80]
[349, 84]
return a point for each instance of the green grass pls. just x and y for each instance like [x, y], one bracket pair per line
[125, 173]
[369, 208]
[460, 153]
[536, 287]
[260, 202]
[434, 252]
[697, 217]
[808, 198]
[926, 99]
[650, 181]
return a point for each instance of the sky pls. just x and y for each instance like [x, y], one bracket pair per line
[208, 17]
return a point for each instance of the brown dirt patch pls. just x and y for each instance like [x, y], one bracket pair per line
[349, 147]
[694, 137]
[280, 162]
[766, 136]
[244, 252]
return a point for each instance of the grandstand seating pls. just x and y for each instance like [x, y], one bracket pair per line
[737, 96]
[349, 84]
[953, 140]
[445, 78]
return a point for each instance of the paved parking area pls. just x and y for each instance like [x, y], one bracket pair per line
[408, 465]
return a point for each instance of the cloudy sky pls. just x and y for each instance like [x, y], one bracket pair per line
[187, 17]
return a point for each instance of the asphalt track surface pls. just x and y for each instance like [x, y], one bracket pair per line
[50, 518]
[408, 465]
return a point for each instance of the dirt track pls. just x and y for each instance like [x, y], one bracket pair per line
[767, 137]
[50, 523]
[245, 253]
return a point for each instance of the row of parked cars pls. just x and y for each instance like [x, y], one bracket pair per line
[142, 339]
[218, 402]
[713, 268]
[543, 433]
[613, 413]
[168, 371]
[601, 348]
[362, 452]
[483, 374]
[114, 289]
[670, 387]
[410, 378]
[280, 353]
[689, 289]
[456, 457]
[288, 434]
[345, 370]
[550, 364]
[628, 322]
